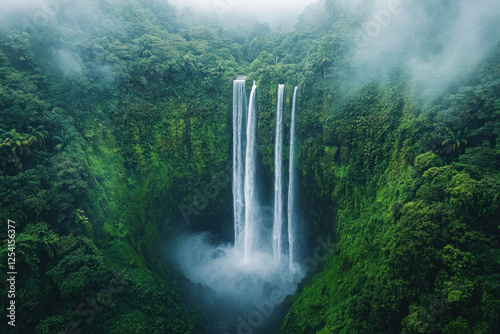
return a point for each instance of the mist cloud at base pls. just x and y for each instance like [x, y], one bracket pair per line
[234, 293]
[224, 270]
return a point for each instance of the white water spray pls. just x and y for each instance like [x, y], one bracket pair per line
[291, 187]
[239, 121]
[278, 183]
[251, 206]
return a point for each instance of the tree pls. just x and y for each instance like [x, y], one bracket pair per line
[37, 135]
[19, 48]
[63, 140]
[323, 63]
[17, 142]
[453, 143]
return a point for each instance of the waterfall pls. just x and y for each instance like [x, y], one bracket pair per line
[239, 120]
[251, 206]
[278, 186]
[291, 185]
[245, 274]
[247, 218]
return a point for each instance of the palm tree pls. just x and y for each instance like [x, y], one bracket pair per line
[323, 62]
[220, 69]
[17, 142]
[207, 84]
[191, 63]
[37, 135]
[453, 143]
[63, 140]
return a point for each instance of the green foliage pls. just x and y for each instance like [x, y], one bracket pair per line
[453, 143]
[37, 135]
[18, 143]
[79, 271]
[125, 116]
[427, 160]
[412, 230]
[62, 140]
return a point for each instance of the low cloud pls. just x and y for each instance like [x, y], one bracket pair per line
[437, 44]
[279, 13]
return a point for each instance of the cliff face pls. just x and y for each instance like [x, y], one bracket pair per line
[414, 205]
